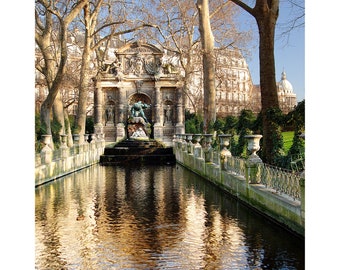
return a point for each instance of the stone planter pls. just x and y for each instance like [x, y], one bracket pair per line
[184, 142]
[46, 140]
[254, 146]
[46, 152]
[208, 151]
[197, 146]
[254, 160]
[93, 138]
[189, 142]
[224, 140]
[196, 139]
[63, 146]
[86, 138]
[63, 140]
[76, 138]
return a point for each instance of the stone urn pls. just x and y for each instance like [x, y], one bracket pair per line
[93, 138]
[178, 137]
[86, 138]
[189, 142]
[207, 147]
[76, 138]
[254, 161]
[46, 140]
[46, 152]
[184, 142]
[254, 146]
[63, 140]
[188, 137]
[207, 138]
[197, 146]
[197, 139]
[224, 140]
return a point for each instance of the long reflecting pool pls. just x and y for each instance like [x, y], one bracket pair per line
[153, 217]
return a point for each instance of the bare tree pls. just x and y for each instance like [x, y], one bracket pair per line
[208, 45]
[52, 20]
[101, 21]
[178, 34]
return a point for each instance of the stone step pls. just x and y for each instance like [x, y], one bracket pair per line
[149, 151]
[137, 159]
[138, 150]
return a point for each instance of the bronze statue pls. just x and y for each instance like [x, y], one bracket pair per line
[137, 110]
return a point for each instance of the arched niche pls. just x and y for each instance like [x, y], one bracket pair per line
[168, 107]
[143, 98]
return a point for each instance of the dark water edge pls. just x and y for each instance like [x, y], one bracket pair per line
[153, 217]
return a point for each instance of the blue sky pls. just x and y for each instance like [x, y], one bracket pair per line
[289, 51]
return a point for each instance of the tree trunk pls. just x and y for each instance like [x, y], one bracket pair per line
[266, 13]
[84, 74]
[54, 68]
[68, 129]
[266, 22]
[207, 40]
[58, 113]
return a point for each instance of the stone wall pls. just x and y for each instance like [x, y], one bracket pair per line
[50, 165]
[283, 208]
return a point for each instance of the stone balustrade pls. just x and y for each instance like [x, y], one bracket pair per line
[52, 164]
[275, 192]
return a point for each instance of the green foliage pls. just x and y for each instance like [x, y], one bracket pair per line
[233, 145]
[246, 121]
[241, 147]
[257, 125]
[39, 130]
[231, 123]
[287, 146]
[193, 123]
[210, 129]
[55, 128]
[74, 129]
[89, 127]
[275, 118]
[297, 150]
[288, 137]
[244, 127]
[219, 125]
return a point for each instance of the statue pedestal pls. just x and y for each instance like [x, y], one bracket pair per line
[138, 129]
[158, 132]
[120, 131]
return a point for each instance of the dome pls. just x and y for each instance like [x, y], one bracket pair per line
[284, 85]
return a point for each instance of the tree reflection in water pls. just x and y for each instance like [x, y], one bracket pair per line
[153, 217]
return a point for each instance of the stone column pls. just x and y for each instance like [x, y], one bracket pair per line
[158, 105]
[180, 116]
[120, 129]
[98, 110]
[158, 127]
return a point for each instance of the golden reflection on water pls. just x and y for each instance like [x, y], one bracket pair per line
[137, 218]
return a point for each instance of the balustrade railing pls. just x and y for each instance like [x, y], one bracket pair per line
[281, 181]
[236, 166]
[64, 151]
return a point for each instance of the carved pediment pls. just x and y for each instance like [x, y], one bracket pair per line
[140, 58]
[138, 47]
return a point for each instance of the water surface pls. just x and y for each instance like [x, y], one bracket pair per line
[153, 217]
